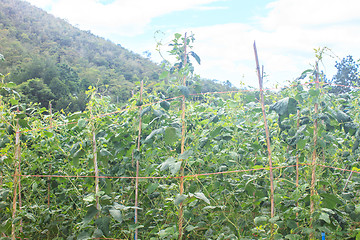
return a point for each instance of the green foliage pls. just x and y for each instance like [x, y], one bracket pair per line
[347, 76]
[225, 137]
[38, 45]
[223, 134]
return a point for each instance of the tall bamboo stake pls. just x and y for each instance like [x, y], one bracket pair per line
[94, 148]
[267, 133]
[137, 161]
[51, 125]
[183, 132]
[297, 158]
[16, 176]
[313, 163]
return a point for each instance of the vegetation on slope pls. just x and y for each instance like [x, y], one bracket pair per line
[44, 52]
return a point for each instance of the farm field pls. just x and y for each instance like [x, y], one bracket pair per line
[202, 173]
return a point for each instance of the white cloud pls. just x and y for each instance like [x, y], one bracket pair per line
[285, 37]
[121, 17]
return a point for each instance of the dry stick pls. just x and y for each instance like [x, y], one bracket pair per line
[267, 135]
[137, 162]
[16, 176]
[313, 163]
[183, 132]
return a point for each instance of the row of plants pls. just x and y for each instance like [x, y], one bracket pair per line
[224, 135]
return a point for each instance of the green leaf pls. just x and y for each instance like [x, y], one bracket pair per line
[179, 199]
[97, 233]
[330, 200]
[48, 134]
[357, 209]
[284, 107]
[197, 58]
[82, 123]
[152, 134]
[216, 131]
[261, 220]
[293, 237]
[186, 154]
[325, 217]
[30, 216]
[145, 111]
[342, 117]
[175, 167]
[202, 196]
[189, 228]
[301, 144]
[24, 124]
[184, 91]
[165, 105]
[89, 198]
[177, 35]
[116, 214]
[314, 92]
[103, 224]
[14, 101]
[170, 135]
[84, 235]
[104, 152]
[91, 212]
[358, 236]
[133, 227]
[152, 187]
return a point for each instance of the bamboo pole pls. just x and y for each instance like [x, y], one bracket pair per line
[297, 159]
[16, 177]
[137, 161]
[183, 133]
[94, 148]
[313, 163]
[267, 134]
[51, 125]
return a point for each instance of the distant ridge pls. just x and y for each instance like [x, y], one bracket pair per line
[64, 59]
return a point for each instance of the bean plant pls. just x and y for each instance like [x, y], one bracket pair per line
[225, 163]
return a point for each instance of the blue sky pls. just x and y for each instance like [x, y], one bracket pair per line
[286, 31]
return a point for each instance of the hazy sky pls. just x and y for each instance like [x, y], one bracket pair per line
[286, 31]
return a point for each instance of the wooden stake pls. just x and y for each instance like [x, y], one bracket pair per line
[51, 125]
[183, 133]
[16, 176]
[297, 159]
[137, 161]
[267, 134]
[94, 148]
[313, 164]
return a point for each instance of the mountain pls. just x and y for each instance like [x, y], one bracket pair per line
[52, 60]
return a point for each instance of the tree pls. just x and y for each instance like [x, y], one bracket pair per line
[347, 75]
[35, 90]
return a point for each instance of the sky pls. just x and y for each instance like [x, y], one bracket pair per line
[286, 32]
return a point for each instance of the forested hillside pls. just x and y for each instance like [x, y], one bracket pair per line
[47, 53]
[51, 60]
